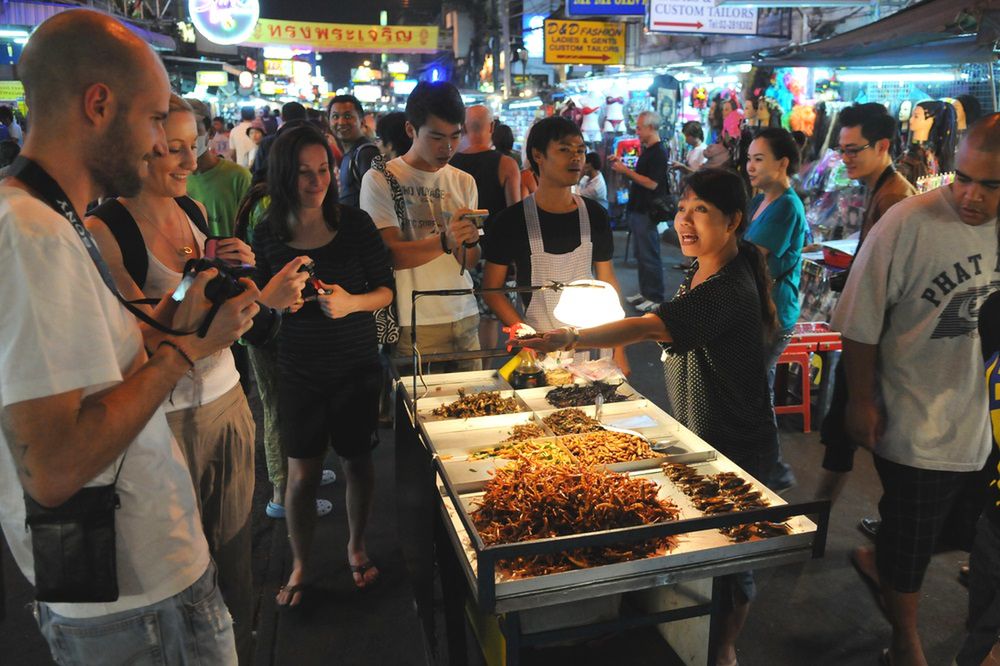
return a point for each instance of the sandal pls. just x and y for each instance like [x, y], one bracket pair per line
[274, 510]
[304, 590]
[885, 659]
[360, 570]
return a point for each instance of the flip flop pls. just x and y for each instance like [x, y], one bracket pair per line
[361, 570]
[329, 476]
[884, 659]
[305, 592]
[277, 511]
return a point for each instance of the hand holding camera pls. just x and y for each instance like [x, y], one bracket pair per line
[284, 290]
[463, 228]
[232, 318]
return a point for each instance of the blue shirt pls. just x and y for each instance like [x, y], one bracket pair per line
[781, 229]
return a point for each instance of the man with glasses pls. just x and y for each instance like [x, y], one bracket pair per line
[346, 120]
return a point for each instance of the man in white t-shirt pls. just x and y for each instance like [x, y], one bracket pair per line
[436, 246]
[240, 143]
[914, 367]
[79, 396]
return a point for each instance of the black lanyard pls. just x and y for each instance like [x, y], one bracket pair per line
[882, 180]
[49, 191]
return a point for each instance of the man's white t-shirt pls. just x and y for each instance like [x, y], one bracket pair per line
[915, 291]
[430, 198]
[63, 330]
[241, 144]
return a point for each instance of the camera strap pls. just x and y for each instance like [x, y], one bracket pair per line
[49, 191]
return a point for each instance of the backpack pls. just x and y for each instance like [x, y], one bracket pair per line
[126, 232]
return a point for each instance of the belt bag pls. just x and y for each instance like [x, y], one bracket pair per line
[74, 546]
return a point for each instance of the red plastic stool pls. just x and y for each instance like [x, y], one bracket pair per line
[798, 354]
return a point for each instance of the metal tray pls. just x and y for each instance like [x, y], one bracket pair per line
[698, 555]
[437, 385]
[535, 398]
[426, 406]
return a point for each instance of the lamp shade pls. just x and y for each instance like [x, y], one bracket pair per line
[586, 303]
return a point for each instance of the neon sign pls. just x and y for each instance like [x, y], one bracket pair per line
[224, 21]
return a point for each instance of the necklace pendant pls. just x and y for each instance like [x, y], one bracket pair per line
[186, 250]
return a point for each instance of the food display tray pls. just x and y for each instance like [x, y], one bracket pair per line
[426, 407]
[449, 384]
[698, 554]
[535, 397]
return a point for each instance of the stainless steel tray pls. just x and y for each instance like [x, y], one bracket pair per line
[426, 406]
[535, 398]
[437, 385]
[699, 554]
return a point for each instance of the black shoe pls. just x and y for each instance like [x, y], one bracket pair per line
[869, 527]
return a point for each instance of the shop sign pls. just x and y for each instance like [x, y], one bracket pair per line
[346, 37]
[224, 21]
[701, 17]
[11, 90]
[584, 42]
[279, 68]
[211, 78]
[606, 7]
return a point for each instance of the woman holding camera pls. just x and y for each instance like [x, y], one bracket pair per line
[329, 376]
[147, 240]
[715, 333]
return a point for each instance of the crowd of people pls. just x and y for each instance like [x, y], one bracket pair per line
[292, 235]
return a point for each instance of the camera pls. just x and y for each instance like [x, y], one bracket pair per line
[223, 287]
[477, 217]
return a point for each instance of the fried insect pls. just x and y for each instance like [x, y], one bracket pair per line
[525, 502]
[722, 493]
[579, 396]
[571, 421]
[607, 447]
[484, 403]
[541, 451]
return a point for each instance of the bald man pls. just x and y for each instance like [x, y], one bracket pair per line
[917, 399]
[497, 176]
[79, 396]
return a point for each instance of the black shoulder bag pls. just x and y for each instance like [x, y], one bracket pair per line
[387, 319]
[73, 544]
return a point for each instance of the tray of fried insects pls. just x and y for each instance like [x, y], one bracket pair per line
[451, 383]
[577, 395]
[466, 406]
[548, 506]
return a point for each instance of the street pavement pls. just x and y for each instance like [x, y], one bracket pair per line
[813, 614]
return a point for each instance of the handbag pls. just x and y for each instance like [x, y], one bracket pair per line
[387, 319]
[73, 546]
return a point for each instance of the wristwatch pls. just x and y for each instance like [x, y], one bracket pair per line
[576, 338]
[444, 243]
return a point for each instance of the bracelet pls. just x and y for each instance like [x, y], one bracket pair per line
[444, 243]
[576, 338]
[178, 350]
[470, 245]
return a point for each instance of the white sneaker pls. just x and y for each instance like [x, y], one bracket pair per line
[647, 306]
[635, 298]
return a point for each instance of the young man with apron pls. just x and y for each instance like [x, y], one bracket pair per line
[551, 236]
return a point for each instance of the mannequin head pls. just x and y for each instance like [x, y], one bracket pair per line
[750, 109]
[921, 123]
[763, 113]
[934, 122]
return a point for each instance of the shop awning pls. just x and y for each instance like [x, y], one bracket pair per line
[929, 33]
[31, 14]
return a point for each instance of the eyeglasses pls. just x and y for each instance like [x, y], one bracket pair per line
[852, 152]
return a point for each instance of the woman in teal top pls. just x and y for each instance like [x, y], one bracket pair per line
[778, 229]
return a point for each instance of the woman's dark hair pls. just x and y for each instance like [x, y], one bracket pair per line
[391, 129]
[692, 128]
[440, 99]
[9, 150]
[544, 132]
[724, 189]
[503, 138]
[973, 109]
[594, 160]
[782, 145]
[283, 179]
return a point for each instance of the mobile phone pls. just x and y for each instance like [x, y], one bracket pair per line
[212, 246]
[477, 217]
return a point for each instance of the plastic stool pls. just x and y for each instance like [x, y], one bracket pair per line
[799, 355]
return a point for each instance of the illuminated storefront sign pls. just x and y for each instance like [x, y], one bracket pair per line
[345, 37]
[224, 21]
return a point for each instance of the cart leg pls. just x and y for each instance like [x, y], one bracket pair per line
[415, 516]
[716, 617]
[512, 637]
[453, 589]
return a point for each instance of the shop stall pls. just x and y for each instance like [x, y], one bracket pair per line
[651, 515]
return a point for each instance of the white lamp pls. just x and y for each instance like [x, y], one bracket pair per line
[587, 303]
